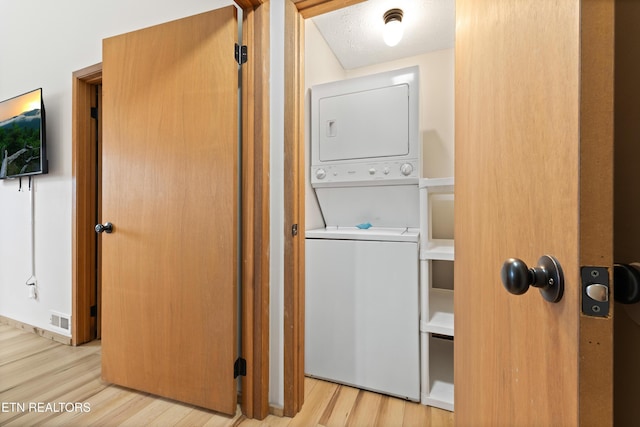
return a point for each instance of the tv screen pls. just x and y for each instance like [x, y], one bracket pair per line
[22, 136]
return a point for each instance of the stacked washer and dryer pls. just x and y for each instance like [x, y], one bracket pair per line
[362, 268]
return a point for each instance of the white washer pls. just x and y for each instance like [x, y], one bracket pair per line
[362, 325]
[362, 302]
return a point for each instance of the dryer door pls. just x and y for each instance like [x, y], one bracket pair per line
[364, 124]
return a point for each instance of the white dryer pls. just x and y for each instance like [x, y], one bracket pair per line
[362, 302]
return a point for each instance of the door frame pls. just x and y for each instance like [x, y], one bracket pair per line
[294, 211]
[83, 242]
[295, 13]
[255, 200]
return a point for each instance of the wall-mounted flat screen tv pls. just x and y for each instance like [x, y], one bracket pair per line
[22, 136]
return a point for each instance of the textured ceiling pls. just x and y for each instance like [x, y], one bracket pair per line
[354, 34]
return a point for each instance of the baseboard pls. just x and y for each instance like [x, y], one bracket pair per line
[62, 339]
[276, 410]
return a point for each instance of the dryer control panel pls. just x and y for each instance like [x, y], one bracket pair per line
[370, 173]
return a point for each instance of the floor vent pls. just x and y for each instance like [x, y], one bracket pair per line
[60, 320]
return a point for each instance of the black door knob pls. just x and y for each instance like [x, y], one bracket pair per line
[106, 228]
[626, 284]
[547, 276]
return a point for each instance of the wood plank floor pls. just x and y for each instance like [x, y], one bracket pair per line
[50, 384]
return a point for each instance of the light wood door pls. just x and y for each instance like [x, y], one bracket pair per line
[170, 188]
[533, 173]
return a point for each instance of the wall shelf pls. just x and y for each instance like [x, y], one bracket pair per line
[436, 291]
[437, 249]
[438, 390]
[440, 320]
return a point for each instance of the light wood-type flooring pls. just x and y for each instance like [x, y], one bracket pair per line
[46, 383]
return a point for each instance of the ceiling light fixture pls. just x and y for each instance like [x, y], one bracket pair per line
[393, 28]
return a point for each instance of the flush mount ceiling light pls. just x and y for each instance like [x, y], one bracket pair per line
[392, 27]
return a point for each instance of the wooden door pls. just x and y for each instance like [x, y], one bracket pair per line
[170, 188]
[533, 172]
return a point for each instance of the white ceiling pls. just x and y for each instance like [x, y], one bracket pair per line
[354, 34]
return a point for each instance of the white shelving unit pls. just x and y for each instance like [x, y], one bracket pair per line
[436, 292]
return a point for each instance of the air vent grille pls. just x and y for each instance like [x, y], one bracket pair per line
[60, 320]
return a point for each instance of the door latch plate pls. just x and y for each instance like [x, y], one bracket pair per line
[595, 291]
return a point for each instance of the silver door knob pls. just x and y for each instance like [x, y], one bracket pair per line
[547, 276]
[106, 228]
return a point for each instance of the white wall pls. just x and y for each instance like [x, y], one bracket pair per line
[436, 105]
[276, 261]
[320, 67]
[41, 43]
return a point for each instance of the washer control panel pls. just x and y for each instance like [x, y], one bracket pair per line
[392, 171]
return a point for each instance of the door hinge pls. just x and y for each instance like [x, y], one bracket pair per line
[94, 112]
[294, 230]
[241, 54]
[240, 367]
[93, 311]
